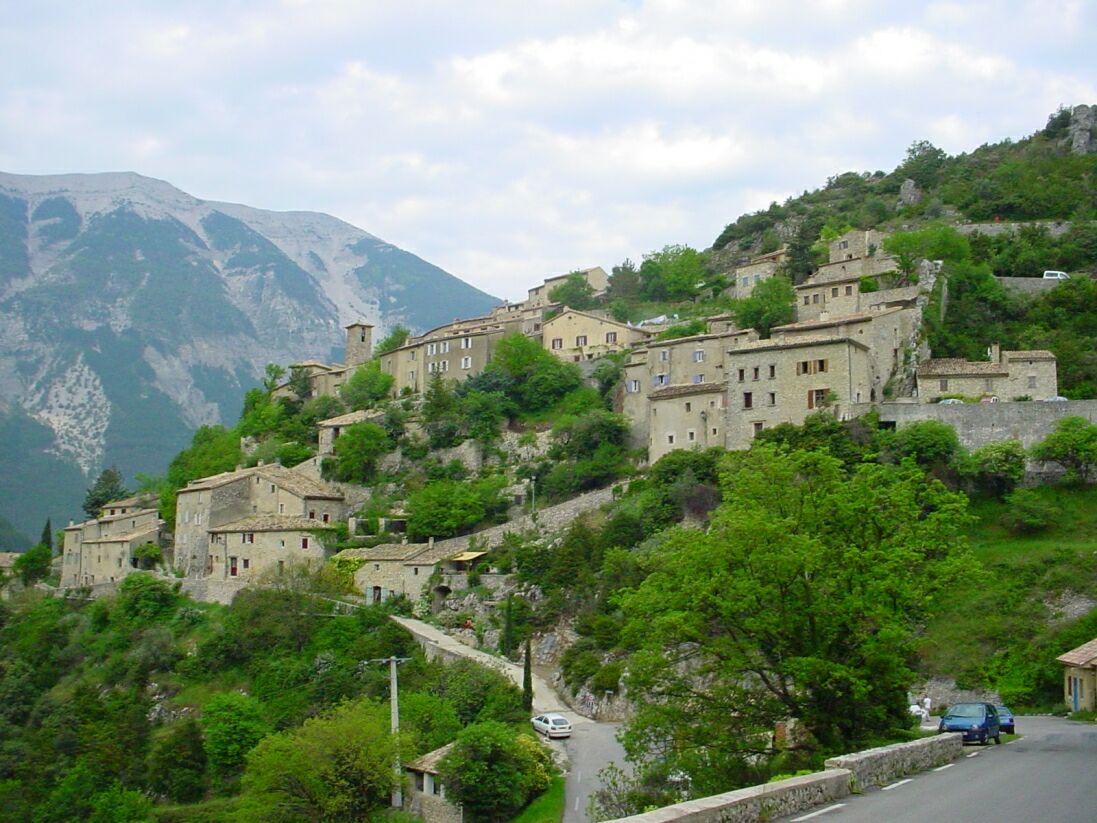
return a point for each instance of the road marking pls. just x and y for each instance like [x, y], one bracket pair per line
[1008, 742]
[579, 777]
[973, 754]
[833, 808]
[897, 785]
[577, 804]
[946, 766]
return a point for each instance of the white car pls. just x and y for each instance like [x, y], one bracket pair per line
[950, 401]
[552, 725]
[1056, 399]
[1056, 275]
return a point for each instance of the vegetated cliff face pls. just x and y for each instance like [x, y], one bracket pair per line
[134, 312]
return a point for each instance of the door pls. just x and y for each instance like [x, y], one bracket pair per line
[1074, 682]
[232, 567]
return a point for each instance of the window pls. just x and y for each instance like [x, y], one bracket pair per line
[282, 506]
[1031, 381]
[247, 537]
[817, 398]
[415, 571]
[943, 385]
[746, 282]
[803, 367]
[580, 340]
[312, 514]
[443, 347]
[834, 292]
[247, 563]
[807, 300]
[755, 373]
[660, 380]
[670, 439]
[742, 375]
[773, 398]
[820, 365]
[432, 348]
[412, 355]
[304, 542]
[611, 337]
[698, 378]
[633, 386]
[748, 400]
[689, 407]
[664, 355]
[713, 431]
[849, 290]
[411, 376]
[815, 298]
[466, 342]
[772, 371]
[758, 426]
[466, 362]
[843, 244]
[699, 356]
[557, 343]
[443, 365]
[272, 488]
[691, 435]
[326, 518]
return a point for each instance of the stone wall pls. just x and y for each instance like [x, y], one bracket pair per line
[750, 805]
[209, 590]
[1055, 228]
[977, 424]
[873, 768]
[1027, 285]
[844, 774]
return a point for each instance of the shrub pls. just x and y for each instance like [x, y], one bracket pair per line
[607, 678]
[1029, 513]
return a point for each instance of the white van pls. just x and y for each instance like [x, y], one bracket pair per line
[1056, 275]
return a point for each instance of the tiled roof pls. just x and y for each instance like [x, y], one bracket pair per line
[110, 518]
[144, 500]
[351, 418]
[600, 318]
[956, 366]
[837, 320]
[1084, 655]
[125, 537]
[429, 761]
[293, 482]
[686, 389]
[793, 343]
[272, 523]
[388, 551]
[1034, 354]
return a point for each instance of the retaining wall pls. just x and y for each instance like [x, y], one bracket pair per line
[843, 775]
[873, 768]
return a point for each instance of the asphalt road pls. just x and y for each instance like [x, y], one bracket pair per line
[1046, 776]
[591, 747]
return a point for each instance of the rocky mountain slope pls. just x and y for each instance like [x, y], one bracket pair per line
[134, 312]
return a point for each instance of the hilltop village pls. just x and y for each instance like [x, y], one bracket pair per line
[856, 345]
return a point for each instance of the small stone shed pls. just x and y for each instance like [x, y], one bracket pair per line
[426, 796]
[1080, 677]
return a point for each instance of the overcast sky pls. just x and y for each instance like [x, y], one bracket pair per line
[510, 140]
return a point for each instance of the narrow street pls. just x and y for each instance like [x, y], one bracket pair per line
[591, 746]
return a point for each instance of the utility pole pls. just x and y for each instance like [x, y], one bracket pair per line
[533, 495]
[394, 708]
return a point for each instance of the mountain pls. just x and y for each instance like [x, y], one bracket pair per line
[134, 313]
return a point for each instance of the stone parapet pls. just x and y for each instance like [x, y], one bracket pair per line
[873, 768]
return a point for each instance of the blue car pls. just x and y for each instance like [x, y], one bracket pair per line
[1005, 717]
[976, 721]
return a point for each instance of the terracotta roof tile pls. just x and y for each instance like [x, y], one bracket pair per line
[271, 523]
[1084, 655]
[429, 761]
[955, 366]
[686, 389]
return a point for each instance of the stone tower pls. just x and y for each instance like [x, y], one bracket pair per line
[359, 344]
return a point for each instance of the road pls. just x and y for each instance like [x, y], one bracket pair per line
[591, 746]
[1047, 775]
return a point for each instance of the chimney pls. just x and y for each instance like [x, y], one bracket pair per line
[995, 353]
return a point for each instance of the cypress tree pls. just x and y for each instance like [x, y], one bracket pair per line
[47, 535]
[527, 680]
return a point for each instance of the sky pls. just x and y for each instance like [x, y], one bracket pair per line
[508, 141]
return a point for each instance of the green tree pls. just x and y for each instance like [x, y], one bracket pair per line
[144, 597]
[394, 340]
[443, 508]
[923, 164]
[107, 487]
[120, 805]
[357, 452]
[802, 600]
[995, 468]
[33, 564]
[493, 772]
[335, 768]
[1073, 445]
[672, 273]
[506, 637]
[367, 386]
[624, 283]
[935, 242]
[177, 763]
[47, 534]
[527, 679]
[575, 292]
[930, 443]
[233, 724]
[273, 376]
[300, 382]
[532, 377]
[771, 303]
[478, 693]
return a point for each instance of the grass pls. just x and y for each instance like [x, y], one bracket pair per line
[999, 610]
[548, 807]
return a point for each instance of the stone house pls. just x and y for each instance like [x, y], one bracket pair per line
[578, 335]
[263, 545]
[783, 380]
[394, 569]
[539, 298]
[856, 244]
[231, 498]
[760, 268]
[328, 431]
[328, 378]
[1007, 375]
[1080, 677]
[102, 550]
[426, 797]
[689, 416]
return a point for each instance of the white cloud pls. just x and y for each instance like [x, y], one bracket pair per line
[505, 141]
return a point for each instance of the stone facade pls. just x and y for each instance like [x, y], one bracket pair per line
[263, 546]
[1080, 677]
[758, 269]
[426, 796]
[878, 767]
[578, 336]
[101, 550]
[686, 417]
[538, 297]
[1007, 375]
[233, 497]
[856, 244]
[328, 431]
